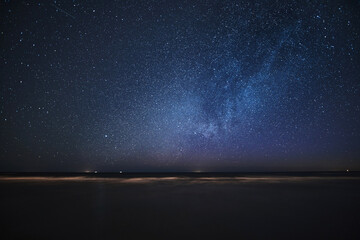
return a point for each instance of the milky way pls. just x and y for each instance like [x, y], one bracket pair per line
[180, 85]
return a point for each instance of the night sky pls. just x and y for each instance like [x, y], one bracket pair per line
[179, 85]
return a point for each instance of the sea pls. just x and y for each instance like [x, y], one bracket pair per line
[286, 205]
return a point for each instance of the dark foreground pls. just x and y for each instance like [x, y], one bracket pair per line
[178, 206]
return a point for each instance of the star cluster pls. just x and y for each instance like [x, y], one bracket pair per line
[179, 85]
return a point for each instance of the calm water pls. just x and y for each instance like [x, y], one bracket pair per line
[175, 206]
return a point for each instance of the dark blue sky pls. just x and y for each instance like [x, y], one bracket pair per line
[179, 85]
